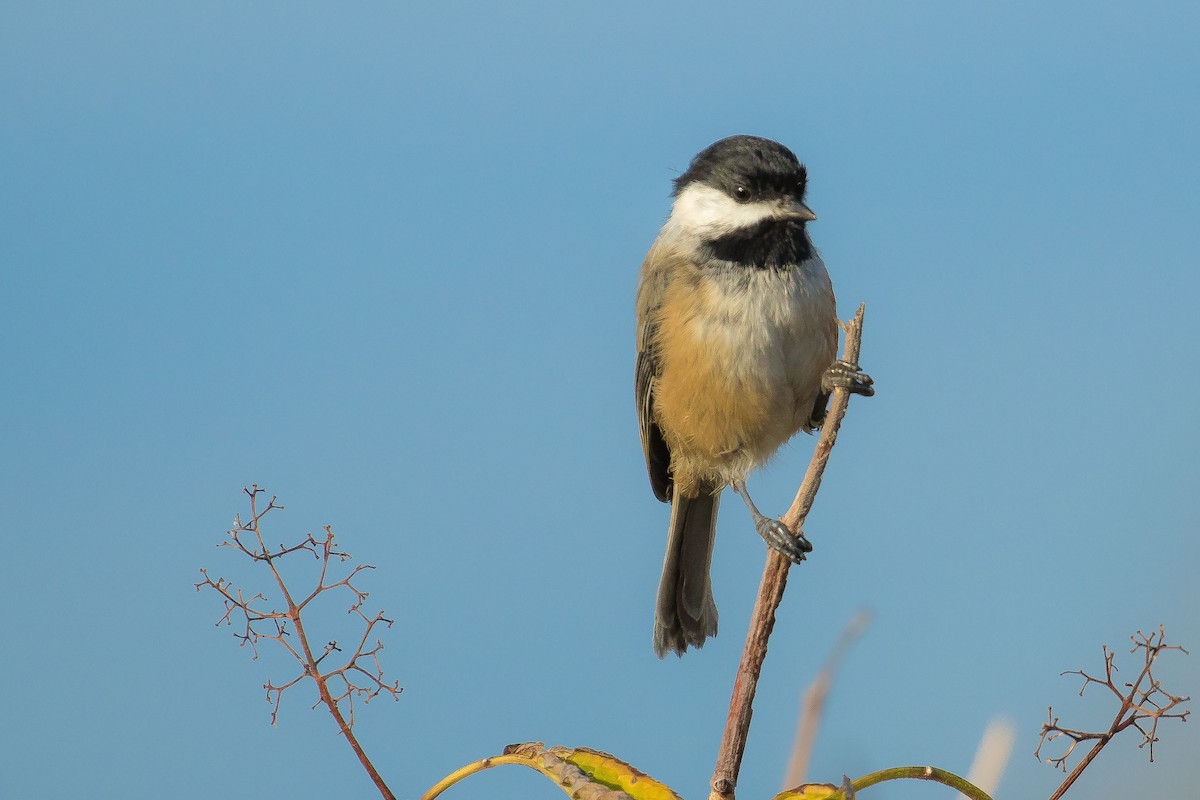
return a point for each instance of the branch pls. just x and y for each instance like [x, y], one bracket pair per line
[774, 581]
[278, 625]
[1142, 701]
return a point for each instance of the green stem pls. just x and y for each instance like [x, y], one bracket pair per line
[925, 774]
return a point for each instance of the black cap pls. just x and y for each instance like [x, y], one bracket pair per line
[763, 166]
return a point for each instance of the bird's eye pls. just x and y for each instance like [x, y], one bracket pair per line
[741, 193]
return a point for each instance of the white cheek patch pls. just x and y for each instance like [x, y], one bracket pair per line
[710, 212]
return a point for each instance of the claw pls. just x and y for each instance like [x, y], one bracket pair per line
[780, 539]
[777, 535]
[845, 375]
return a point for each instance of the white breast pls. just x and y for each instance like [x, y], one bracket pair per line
[779, 319]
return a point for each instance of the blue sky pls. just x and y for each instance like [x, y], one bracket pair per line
[381, 259]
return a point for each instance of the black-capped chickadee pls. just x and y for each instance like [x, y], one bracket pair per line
[736, 352]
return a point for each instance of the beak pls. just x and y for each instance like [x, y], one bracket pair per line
[800, 211]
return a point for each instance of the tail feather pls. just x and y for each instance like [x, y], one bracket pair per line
[686, 613]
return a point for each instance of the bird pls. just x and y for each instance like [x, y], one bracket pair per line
[737, 335]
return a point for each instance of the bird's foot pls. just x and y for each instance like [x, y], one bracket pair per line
[780, 539]
[845, 375]
[777, 535]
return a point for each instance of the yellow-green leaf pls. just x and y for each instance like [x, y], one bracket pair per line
[813, 791]
[616, 774]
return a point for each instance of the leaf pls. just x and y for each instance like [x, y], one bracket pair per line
[813, 791]
[610, 771]
[582, 773]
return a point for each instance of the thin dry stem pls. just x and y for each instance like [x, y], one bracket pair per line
[770, 591]
[358, 677]
[1143, 703]
[814, 700]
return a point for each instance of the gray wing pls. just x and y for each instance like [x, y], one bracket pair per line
[646, 371]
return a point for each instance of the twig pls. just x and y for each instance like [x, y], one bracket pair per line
[991, 758]
[814, 700]
[282, 624]
[770, 591]
[1142, 700]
